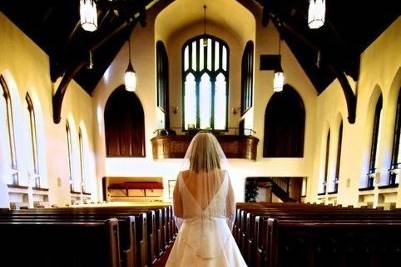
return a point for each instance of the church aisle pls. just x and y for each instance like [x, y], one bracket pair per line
[161, 262]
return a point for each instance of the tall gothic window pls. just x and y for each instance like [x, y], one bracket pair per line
[70, 156]
[339, 145]
[375, 138]
[162, 80]
[34, 141]
[326, 164]
[205, 83]
[10, 132]
[396, 157]
[81, 161]
[247, 78]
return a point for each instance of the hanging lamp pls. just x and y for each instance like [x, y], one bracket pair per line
[316, 13]
[88, 15]
[204, 26]
[278, 81]
[130, 75]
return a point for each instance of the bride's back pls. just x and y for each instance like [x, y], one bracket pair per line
[203, 193]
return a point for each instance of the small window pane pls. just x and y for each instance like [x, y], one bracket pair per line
[201, 55]
[216, 56]
[186, 58]
[190, 101]
[194, 55]
[220, 103]
[205, 105]
[209, 54]
[224, 58]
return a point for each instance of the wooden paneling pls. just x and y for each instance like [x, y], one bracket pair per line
[124, 125]
[234, 146]
[284, 125]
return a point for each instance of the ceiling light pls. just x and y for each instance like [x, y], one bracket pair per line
[130, 75]
[278, 81]
[88, 13]
[316, 13]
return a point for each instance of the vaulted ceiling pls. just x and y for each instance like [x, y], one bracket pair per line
[54, 25]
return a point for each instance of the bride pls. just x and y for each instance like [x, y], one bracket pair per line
[204, 209]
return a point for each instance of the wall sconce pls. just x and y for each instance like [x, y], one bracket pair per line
[175, 109]
[235, 110]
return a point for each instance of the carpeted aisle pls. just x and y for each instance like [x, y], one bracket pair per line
[163, 259]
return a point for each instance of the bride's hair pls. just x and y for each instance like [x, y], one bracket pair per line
[204, 153]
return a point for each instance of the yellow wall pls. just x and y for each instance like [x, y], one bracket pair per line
[379, 72]
[26, 69]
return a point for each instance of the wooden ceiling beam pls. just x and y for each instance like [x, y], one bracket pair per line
[79, 64]
[336, 67]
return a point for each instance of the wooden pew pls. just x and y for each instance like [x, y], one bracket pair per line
[60, 244]
[151, 241]
[251, 228]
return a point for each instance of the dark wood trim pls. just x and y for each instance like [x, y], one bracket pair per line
[332, 193]
[321, 194]
[366, 188]
[86, 193]
[15, 186]
[388, 186]
[75, 192]
[234, 146]
[40, 189]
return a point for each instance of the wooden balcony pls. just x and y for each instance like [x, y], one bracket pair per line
[175, 146]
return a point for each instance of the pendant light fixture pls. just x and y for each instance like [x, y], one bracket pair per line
[278, 81]
[130, 75]
[88, 15]
[204, 26]
[316, 13]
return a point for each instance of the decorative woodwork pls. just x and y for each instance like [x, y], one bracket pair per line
[175, 146]
[133, 188]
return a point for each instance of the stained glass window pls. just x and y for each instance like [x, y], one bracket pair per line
[205, 83]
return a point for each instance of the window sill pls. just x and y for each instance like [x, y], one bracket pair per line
[15, 186]
[388, 186]
[87, 194]
[75, 192]
[321, 194]
[332, 193]
[367, 188]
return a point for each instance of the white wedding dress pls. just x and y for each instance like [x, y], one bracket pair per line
[205, 208]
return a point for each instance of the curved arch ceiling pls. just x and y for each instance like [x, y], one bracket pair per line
[182, 13]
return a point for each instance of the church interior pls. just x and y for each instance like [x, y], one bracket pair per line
[99, 100]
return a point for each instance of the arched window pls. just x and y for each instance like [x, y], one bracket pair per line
[10, 132]
[205, 83]
[81, 160]
[375, 138]
[162, 80]
[70, 156]
[247, 78]
[338, 159]
[124, 125]
[284, 125]
[326, 166]
[33, 141]
[396, 157]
